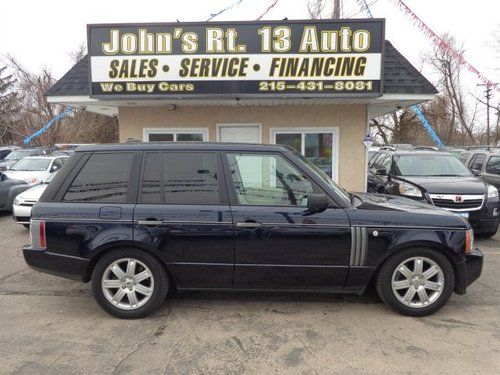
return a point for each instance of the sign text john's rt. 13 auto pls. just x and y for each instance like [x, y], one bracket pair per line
[238, 59]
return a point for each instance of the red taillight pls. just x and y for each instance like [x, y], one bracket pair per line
[37, 234]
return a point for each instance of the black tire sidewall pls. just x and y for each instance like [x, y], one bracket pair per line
[160, 281]
[384, 281]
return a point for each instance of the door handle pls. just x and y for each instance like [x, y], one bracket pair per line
[149, 222]
[248, 224]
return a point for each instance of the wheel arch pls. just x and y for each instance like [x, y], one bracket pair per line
[104, 249]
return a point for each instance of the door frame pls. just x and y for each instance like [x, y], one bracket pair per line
[302, 130]
[220, 125]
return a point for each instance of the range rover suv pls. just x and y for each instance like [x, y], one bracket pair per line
[138, 220]
[437, 178]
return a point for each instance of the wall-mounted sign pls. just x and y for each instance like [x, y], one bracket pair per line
[238, 59]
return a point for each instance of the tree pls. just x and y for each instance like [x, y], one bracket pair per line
[9, 105]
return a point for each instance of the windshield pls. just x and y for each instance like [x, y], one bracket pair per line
[31, 165]
[429, 166]
[324, 177]
[18, 154]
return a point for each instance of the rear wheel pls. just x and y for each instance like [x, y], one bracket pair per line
[416, 282]
[129, 283]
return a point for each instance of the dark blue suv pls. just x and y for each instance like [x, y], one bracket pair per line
[138, 220]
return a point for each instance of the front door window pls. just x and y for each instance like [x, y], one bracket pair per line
[315, 146]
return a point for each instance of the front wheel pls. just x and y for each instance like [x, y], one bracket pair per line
[129, 283]
[416, 282]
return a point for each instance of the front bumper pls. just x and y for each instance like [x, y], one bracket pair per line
[468, 270]
[22, 214]
[69, 267]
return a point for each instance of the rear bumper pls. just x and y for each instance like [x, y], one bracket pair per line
[69, 267]
[469, 270]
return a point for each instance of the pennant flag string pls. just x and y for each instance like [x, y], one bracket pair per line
[440, 42]
[229, 7]
[46, 127]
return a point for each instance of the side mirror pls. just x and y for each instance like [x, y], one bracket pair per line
[8, 167]
[3, 177]
[476, 172]
[381, 172]
[54, 168]
[317, 202]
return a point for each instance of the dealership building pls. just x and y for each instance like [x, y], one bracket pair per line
[313, 85]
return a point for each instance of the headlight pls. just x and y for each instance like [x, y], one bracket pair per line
[18, 201]
[469, 241]
[409, 190]
[492, 191]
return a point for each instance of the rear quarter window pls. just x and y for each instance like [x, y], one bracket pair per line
[103, 178]
[493, 165]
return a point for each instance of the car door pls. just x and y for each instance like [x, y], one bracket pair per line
[183, 215]
[279, 243]
[491, 172]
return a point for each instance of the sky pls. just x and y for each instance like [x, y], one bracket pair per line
[43, 33]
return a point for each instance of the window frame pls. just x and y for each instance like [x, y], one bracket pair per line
[231, 189]
[175, 132]
[312, 130]
[223, 188]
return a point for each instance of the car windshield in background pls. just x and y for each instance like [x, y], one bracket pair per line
[16, 155]
[430, 166]
[31, 165]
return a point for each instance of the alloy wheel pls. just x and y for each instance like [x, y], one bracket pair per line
[127, 283]
[417, 282]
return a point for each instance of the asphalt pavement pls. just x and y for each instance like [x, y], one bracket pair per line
[54, 326]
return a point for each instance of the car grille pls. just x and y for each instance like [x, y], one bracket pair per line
[457, 202]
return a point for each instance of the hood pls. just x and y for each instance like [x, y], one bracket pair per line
[449, 185]
[26, 175]
[391, 210]
[34, 193]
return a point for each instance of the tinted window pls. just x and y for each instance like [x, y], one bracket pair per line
[477, 161]
[180, 178]
[386, 163]
[377, 161]
[268, 180]
[104, 178]
[493, 165]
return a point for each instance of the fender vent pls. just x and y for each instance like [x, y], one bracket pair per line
[359, 244]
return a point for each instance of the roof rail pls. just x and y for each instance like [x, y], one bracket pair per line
[425, 148]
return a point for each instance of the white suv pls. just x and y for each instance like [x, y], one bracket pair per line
[35, 169]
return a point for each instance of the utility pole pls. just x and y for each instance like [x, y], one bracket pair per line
[336, 9]
[487, 92]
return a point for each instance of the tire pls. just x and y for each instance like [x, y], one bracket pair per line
[488, 234]
[149, 288]
[438, 288]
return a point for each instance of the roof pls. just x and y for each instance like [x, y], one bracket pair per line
[400, 77]
[191, 146]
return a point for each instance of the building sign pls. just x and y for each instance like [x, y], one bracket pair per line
[238, 59]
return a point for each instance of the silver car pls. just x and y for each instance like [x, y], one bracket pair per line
[35, 169]
[24, 202]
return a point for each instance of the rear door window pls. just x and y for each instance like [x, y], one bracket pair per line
[493, 165]
[477, 162]
[181, 178]
[103, 178]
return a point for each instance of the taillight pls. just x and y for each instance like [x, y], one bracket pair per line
[469, 241]
[37, 234]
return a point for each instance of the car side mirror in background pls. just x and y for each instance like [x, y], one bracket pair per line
[476, 172]
[54, 168]
[381, 172]
[317, 202]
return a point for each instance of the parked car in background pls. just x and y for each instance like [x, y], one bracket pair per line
[436, 178]
[16, 155]
[138, 220]
[35, 169]
[9, 189]
[6, 150]
[23, 203]
[484, 163]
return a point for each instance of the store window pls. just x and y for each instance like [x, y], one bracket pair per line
[175, 135]
[317, 145]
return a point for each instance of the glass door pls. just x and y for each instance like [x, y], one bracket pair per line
[316, 145]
